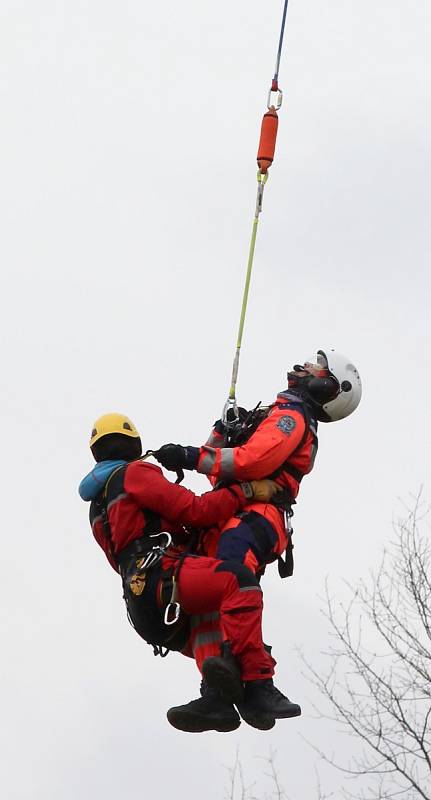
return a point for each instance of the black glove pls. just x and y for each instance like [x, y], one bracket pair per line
[175, 457]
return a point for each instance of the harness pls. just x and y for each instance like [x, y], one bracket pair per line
[139, 564]
[240, 432]
[310, 425]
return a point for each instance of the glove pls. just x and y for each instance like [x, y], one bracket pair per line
[175, 457]
[262, 491]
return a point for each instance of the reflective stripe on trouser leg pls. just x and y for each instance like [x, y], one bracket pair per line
[207, 585]
[205, 636]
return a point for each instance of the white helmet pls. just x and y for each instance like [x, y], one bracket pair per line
[347, 377]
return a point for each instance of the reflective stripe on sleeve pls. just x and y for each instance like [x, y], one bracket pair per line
[227, 465]
[207, 462]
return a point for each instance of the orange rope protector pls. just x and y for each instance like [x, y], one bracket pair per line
[268, 138]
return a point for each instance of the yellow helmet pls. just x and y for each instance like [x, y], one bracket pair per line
[112, 423]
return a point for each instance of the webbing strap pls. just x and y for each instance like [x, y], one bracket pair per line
[286, 466]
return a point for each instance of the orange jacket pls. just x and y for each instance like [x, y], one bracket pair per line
[283, 446]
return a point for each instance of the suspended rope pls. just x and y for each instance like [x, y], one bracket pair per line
[265, 157]
[280, 47]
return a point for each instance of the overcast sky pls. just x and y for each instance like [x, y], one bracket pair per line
[128, 141]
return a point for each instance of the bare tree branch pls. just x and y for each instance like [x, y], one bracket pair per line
[378, 680]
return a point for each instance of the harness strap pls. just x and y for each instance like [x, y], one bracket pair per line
[152, 524]
[286, 466]
[285, 565]
[102, 503]
[256, 523]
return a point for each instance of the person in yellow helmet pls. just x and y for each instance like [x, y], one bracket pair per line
[135, 514]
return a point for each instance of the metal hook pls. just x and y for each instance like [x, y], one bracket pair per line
[162, 533]
[278, 102]
[230, 404]
[175, 609]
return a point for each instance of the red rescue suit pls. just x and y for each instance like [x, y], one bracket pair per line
[140, 501]
[145, 501]
[283, 447]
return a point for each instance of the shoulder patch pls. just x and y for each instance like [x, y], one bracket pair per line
[287, 424]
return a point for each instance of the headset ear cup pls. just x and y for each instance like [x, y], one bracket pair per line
[322, 390]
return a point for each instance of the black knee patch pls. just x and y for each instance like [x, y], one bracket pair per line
[264, 535]
[244, 575]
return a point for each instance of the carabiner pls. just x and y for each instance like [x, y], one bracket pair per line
[174, 608]
[230, 404]
[162, 533]
[278, 102]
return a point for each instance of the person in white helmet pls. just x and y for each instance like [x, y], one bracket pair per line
[277, 442]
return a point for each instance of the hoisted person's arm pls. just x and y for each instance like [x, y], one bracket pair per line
[150, 489]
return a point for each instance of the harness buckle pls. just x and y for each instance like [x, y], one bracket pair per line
[288, 514]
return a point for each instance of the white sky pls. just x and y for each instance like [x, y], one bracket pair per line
[128, 144]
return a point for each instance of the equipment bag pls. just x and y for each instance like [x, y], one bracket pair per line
[147, 593]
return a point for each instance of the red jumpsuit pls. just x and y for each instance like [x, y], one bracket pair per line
[139, 501]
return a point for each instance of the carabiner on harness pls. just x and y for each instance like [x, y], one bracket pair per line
[173, 609]
[172, 613]
[156, 553]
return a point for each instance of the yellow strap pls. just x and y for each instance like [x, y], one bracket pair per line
[261, 179]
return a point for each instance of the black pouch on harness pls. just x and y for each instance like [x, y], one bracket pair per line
[147, 593]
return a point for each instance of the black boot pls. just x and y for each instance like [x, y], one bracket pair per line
[263, 700]
[222, 673]
[208, 713]
[255, 718]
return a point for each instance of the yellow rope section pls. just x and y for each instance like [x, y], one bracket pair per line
[231, 401]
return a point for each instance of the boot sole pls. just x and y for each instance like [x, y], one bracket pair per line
[263, 721]
[287, 715]
[260, 721]
[217, 676]
[188, 724]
